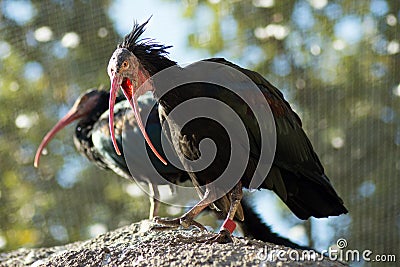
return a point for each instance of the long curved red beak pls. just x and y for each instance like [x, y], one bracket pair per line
[131, 95]
[71, 116]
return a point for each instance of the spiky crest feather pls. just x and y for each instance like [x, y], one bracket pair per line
[150, 53]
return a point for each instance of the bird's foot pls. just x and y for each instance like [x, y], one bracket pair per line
[223, 237]
[184, 221]
[165, 223]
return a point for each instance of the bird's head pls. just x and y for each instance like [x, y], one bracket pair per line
[126, 71]
[83, 107]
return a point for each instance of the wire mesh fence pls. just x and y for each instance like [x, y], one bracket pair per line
[337, 63]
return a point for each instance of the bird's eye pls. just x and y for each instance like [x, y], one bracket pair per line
[125, 64]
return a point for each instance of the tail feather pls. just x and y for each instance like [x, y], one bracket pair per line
[305, 198]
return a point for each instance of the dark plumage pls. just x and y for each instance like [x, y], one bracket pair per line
[296, 176]
[92, 139]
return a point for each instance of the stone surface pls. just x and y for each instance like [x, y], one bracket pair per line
[141, 245]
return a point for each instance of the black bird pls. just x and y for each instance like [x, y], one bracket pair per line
[296, 176]
[92, 139]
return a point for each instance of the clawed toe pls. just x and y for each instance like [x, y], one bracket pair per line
[167, 222]
[198, 225]
[223, 237]
[175, 223]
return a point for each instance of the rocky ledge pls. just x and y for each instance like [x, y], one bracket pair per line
[139, 244]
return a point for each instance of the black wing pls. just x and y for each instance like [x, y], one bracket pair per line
[297, 175]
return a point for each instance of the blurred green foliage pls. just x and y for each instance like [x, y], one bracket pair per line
[338, 63]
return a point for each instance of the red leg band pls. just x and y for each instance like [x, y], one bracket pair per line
[229, 225]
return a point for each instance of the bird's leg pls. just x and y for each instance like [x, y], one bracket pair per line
[187, 219]
[227, 228]
[154, 200]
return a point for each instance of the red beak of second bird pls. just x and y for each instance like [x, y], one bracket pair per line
[71, 116]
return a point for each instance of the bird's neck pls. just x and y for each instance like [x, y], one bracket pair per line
[152, 66]
[83, 130]
[155, 65]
